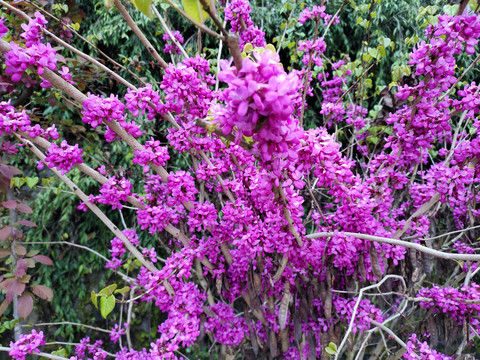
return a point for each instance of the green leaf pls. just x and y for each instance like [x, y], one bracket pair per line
[144, 6]
[381, 51]
[373, 53]
[108, 290]
[432, 19]
[451, 9]
[366, 58]
[93, 297]
[9, 325]
[373, 140]
[108, 4]
[31, 182]
[330, 351]
[46, 181]
[271, 48]
[123, 290]
[107, 304]
[248, 47]
[60, 352]
[17, 181]
[194, 9]
[432, 10]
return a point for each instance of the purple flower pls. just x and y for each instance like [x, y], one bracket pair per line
[96, 109]
[33, 30]
[3, 28]
[27, 344]
[63, 157]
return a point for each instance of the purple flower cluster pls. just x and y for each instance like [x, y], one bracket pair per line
[153, 152]
[365, 311]
[415, 129]
[421, 350]
[260, 100]
[18, 59]
[469, 101]
[202, 217]
[171, 48]
[115, 191]
[186, 88]
[96, 109]
[117, 332]
[460, 304]
[183, 324]
[141, 100]
[317, 12]
[181, 187]
[33, 30]
[225, 327]
[3, 28]
[312, 51]
[62, 157]
[463, 248]
[8, 148]
[237, 12]
[27, 344]
[94, 349]
[11, 120]
[117, 248]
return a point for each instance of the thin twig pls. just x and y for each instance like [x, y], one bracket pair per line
[381, 239]
[139, 33]
[167, 30]
[68, 323]
[41, 354]
[355, 308]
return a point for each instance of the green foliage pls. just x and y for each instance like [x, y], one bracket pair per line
[8, 325]
[144, 6]
[107, 298]
[195, 10]
[331, 350]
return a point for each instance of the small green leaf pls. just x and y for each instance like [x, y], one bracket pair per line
[93, 297]
[123, 290]
[248, 47]
[17, 181]
[108, 4]
[331, 350]
[366, 58]
[271, 48]
[194, 9]
[373, 140]
[108, 290]
[107, 304]
[46, 181]
[31, 182]
[60, 352]
[9, 325]
[373, 53]
[144, 6]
